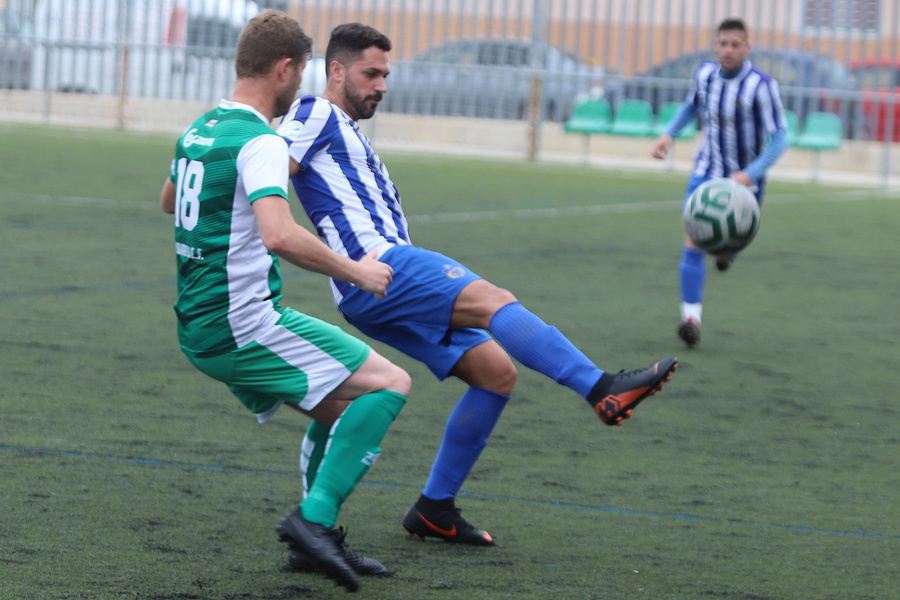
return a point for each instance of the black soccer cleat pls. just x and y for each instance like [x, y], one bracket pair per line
[301, 562]
[627, 389]
[321, 543]
[447, 525]
[689, 331]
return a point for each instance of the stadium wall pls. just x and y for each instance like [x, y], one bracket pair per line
[856, 162]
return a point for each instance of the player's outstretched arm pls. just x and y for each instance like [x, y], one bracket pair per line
[283, 236]
[661, 146]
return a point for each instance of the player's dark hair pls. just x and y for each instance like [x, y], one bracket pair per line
[267, 38]
[732, 25]
[350, 40]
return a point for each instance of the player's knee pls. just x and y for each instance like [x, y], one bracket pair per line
[398, 380]
[503, 377]
[487, 366]
[378, 373]
[504, 297]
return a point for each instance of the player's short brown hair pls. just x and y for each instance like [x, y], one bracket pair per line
[267, 38]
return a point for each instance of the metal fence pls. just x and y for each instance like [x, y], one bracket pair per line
[509, 59]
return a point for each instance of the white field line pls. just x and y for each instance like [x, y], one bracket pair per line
[637, 207]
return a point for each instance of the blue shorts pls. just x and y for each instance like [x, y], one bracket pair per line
[696, 181]
[415, 316]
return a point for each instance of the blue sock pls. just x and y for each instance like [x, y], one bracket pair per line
[693, 274]
[543, 348]
[468, 428]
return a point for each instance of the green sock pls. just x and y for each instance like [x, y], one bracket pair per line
[311, 453]
[353, 447]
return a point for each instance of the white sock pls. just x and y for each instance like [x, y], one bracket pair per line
[691, 310]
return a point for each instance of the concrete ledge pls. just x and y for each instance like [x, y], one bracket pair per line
[856, 162]
[104, 112]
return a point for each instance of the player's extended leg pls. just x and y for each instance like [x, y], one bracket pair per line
[492, 376]
[545, 349]
[692, 279]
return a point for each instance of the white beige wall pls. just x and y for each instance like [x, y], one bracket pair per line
[859, 163]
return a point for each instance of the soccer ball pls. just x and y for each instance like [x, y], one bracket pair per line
[721, 216]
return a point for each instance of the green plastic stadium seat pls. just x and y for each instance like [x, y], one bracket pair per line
[793, 126]
[591, 116]
[821, 131]
[666, 114]
[633, 117]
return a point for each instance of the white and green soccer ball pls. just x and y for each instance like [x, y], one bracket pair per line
[721, 216]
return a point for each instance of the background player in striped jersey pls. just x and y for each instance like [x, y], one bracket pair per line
[228, 191]
[436, 310]
[745, 132]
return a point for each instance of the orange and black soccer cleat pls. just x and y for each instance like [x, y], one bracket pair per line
[614, 400]
[446, 525]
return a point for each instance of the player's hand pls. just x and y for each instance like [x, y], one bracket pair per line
[374, 275]
[742, 178]
[661, 146]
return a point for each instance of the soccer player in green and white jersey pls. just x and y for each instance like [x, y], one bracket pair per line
[228, 191]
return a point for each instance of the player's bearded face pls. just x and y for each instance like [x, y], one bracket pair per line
[286, 97]
[362, 105]
[283, 102]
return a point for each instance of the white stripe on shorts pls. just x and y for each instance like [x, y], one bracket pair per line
[323, 373]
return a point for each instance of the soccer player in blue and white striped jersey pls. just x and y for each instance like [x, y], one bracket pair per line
[436, 310]
[745, 132]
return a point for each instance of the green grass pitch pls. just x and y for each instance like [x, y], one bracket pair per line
[767, 469]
